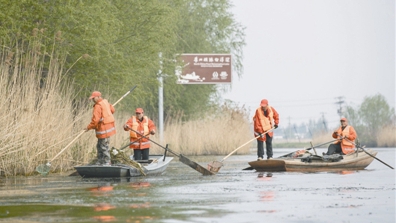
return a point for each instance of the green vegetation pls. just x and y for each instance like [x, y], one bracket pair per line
[55, 53]
[113, 45]
[374, 121]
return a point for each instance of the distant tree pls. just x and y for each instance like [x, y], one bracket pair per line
[370, 117]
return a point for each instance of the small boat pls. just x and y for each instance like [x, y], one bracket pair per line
[156, 164]
[314, 163]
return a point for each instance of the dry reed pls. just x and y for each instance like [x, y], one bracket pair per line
[387, 137]
[37, 110]
[40, 117]
[216, 133]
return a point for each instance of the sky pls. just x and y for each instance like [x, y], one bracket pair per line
[305, 55]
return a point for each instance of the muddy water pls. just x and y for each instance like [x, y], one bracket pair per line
[183, 195]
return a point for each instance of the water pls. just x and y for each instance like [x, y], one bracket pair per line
[183, 195]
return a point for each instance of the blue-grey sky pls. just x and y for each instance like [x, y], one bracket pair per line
[303, 54]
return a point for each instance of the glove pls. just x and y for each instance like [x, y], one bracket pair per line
[276, 126]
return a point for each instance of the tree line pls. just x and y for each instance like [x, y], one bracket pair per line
[374, 121]
[112, 45]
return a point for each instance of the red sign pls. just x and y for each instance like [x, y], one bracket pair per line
[204, 69]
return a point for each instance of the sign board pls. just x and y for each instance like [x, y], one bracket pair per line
[204, 69]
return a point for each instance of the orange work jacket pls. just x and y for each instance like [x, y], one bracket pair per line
[144, 127]
[350, 133]
[102, 119]
[264, 123]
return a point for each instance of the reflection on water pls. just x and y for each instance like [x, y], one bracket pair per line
[103, 207]
[105, 218]
[345, 172]
[181, 194]
[145, 205]
[267, 195]
[101, 188]
[139, 185]
[261, 175]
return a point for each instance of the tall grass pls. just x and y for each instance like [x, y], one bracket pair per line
[36, 108]
[387, 137]
[218, 132]
[40, 116]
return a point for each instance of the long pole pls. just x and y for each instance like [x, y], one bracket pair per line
[357, 146]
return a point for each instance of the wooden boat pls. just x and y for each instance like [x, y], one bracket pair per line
[314, 163]
[155, 165]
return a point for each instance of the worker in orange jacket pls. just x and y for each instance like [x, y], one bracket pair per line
[140, 142]
[265, 118]
[103, 123]
[342, 145]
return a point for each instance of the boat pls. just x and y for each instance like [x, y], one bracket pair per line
[155, 165]
[308, 162]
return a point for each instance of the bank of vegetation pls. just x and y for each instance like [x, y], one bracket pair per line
[54, 54]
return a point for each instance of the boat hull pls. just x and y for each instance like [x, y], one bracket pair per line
[157, 165]
[354, 161]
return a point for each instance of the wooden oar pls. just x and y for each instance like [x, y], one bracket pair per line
[133, 88]
[182, 158]
[44, 169]
[312, 147]
[215, 166]
[357, 146]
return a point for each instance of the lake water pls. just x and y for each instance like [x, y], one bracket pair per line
[183, 195]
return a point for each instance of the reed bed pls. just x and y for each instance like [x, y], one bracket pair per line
[34, 108]
[40, 116]
[387, 137]
[217, 133]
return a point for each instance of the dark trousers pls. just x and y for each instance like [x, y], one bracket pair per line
[268, 146]
[334, 148]
[141, 154]
[102, 148]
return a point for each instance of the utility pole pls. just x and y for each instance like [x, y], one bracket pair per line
[289, 127]
[324, 121]
[298, 135]
[340, 102]
[160, 101]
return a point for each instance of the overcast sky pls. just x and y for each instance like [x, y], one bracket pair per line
[303, 54]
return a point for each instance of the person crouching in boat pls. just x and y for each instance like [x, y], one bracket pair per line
[343, 146]
[140, 127]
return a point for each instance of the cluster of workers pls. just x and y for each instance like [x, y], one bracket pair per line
[140, 128]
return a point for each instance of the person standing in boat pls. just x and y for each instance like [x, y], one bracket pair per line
[265, 118]
[343, 146]
[140, 142]
[103, 123]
